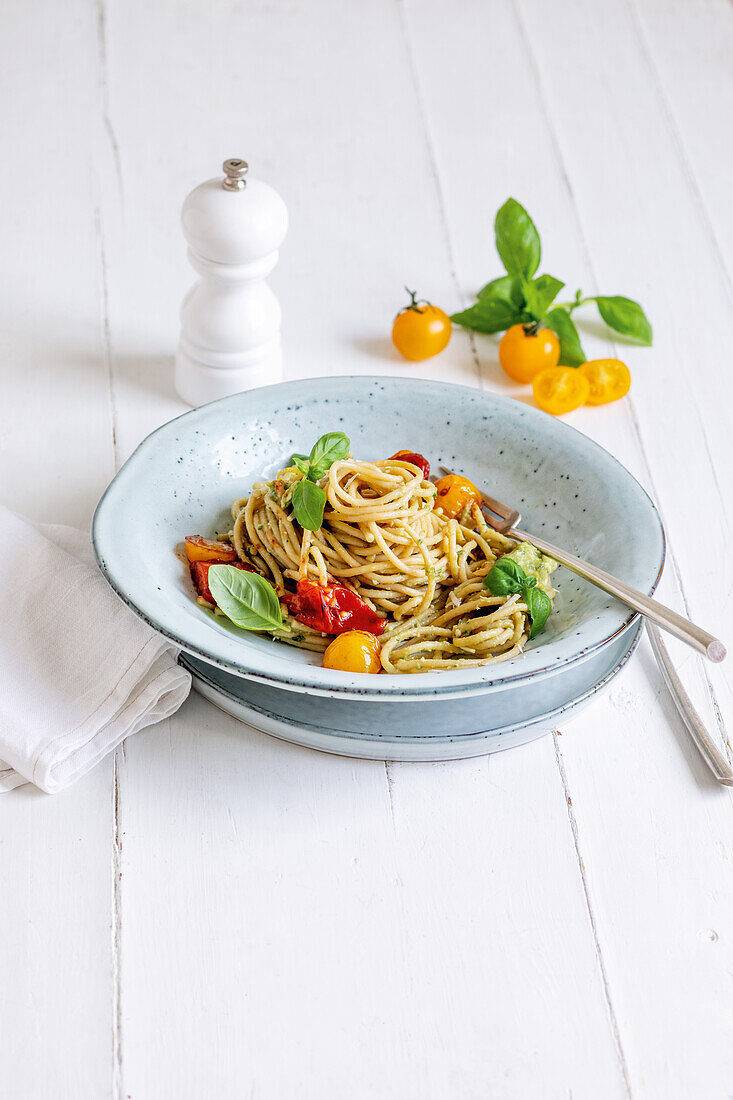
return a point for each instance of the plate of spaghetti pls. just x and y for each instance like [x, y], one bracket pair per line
[294, 535]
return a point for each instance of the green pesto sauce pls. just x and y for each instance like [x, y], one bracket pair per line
[536, 565]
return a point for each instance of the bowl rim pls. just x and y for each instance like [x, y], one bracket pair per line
[345, 684]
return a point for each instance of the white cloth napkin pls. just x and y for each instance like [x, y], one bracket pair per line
[78, 671]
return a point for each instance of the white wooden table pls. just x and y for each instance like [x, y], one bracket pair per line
[216, 914]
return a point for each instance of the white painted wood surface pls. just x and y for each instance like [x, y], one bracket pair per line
[217, 914]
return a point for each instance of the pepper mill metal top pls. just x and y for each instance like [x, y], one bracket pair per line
[235, 170]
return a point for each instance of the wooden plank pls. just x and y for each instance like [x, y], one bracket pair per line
[56, 1008]
[299, 949]
[53, 465]
[56, 1017]
[687, 48]
[651, 833]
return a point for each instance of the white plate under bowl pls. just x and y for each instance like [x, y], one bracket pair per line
[419, 735]
[182, 478]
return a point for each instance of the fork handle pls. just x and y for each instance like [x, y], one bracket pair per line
[711, 752]
[656, 612]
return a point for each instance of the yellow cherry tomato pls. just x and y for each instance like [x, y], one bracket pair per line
[525, 350]
[420, 330]
[559, 390]
[608, 379]
[455, 493]
[353, 651]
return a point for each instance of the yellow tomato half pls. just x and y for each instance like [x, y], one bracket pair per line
[353, 651]
[524, 353]
[559, 390]
[608, 379]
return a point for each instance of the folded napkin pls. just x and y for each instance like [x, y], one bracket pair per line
[78, 671]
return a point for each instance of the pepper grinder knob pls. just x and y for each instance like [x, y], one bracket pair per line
[234, 172]
[230, 318]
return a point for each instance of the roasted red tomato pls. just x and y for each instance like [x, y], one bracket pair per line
[332, 609]
[200, 575]
[416, 460]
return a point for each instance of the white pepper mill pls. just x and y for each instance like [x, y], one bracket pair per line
[230, 319]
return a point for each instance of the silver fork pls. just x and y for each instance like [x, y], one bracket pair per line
[505, 520]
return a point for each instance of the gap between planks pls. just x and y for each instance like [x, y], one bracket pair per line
[591, 916]
[117, 1086]
[119, 754]
[102, 84]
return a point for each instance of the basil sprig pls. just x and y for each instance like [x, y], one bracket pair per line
[309, 499]
[506, 577]
[246, 598]
[522, 297]
[539, 606]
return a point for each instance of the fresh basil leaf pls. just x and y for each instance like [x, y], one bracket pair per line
[308, 501]
[328, 449]
[571, 350]
[508, 288]
[294, 460]
[302, 463]
[539, 606]
[505, 578]
[490, 315]
[246, 598]
[516, 293]
[517, 240]
[498, 288]
[540, 292]
[626, 316]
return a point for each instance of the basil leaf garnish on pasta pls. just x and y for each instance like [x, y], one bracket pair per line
[308, 498]
[539, 606]
[308, 501]
[505, 578]
[328, 449]
[302, 463]
[246, 598]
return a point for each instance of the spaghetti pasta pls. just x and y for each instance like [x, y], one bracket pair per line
[385, 538]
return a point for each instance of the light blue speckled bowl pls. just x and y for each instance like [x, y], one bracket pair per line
[182, 478]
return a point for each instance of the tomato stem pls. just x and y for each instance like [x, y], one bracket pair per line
[531, 328]
[415, 302]
[570, 306]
